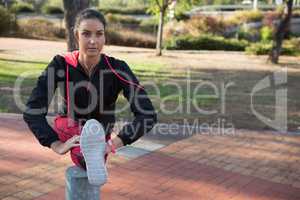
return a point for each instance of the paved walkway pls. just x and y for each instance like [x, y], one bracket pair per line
[247, 165]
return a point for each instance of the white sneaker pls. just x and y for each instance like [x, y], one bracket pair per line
[92, 144]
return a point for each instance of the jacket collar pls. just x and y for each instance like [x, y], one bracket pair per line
[71, 58]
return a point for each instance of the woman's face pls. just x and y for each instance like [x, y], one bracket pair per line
[90, 36]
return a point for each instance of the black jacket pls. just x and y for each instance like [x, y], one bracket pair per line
[96, 95]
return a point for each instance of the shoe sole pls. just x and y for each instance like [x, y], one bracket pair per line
[92, 144]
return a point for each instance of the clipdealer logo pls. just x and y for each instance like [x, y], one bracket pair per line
[277, 81]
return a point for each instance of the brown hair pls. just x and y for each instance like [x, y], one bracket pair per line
[89, 13]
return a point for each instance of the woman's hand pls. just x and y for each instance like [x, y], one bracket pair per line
[116, 143]
[62, 148]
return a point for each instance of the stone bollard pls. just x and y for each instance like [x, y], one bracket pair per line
[78, 186]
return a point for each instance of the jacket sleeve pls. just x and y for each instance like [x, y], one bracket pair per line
[140, 105]
[37, 106]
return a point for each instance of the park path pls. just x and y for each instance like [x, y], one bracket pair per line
[241, 166]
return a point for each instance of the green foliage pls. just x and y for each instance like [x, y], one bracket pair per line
[296, 13]
[148, 25]
[121, 19]
[122, 3]
[218, 2]
[266, 34]
[21, 7]
[182, 6]
[250, 16]
[37, 4]
[153, 8]
[248, 34]
[195, 26]
[181, 16]
[259, 48]
[224, 2]
[140, 10]
[244, 17]
[56, 3]
[295, 42]
[6, 21]
[52, 10]
[290, 47]
[205, 42]
[125, 37]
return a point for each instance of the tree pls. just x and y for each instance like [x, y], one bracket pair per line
[255, 4]
[281, 31]
[160, 7]
[72, 8]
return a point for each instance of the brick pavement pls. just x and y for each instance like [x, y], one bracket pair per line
[247, 165]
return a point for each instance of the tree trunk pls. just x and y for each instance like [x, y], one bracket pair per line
[160, 32]
[255, 4]
[71, 9]
[280, 33]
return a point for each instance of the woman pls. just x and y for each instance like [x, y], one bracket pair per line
[91, 83]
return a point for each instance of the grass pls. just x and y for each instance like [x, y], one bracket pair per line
[10, 70]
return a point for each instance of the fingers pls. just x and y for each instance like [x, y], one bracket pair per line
[74, 139]
[77, 139]
[75, 145]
